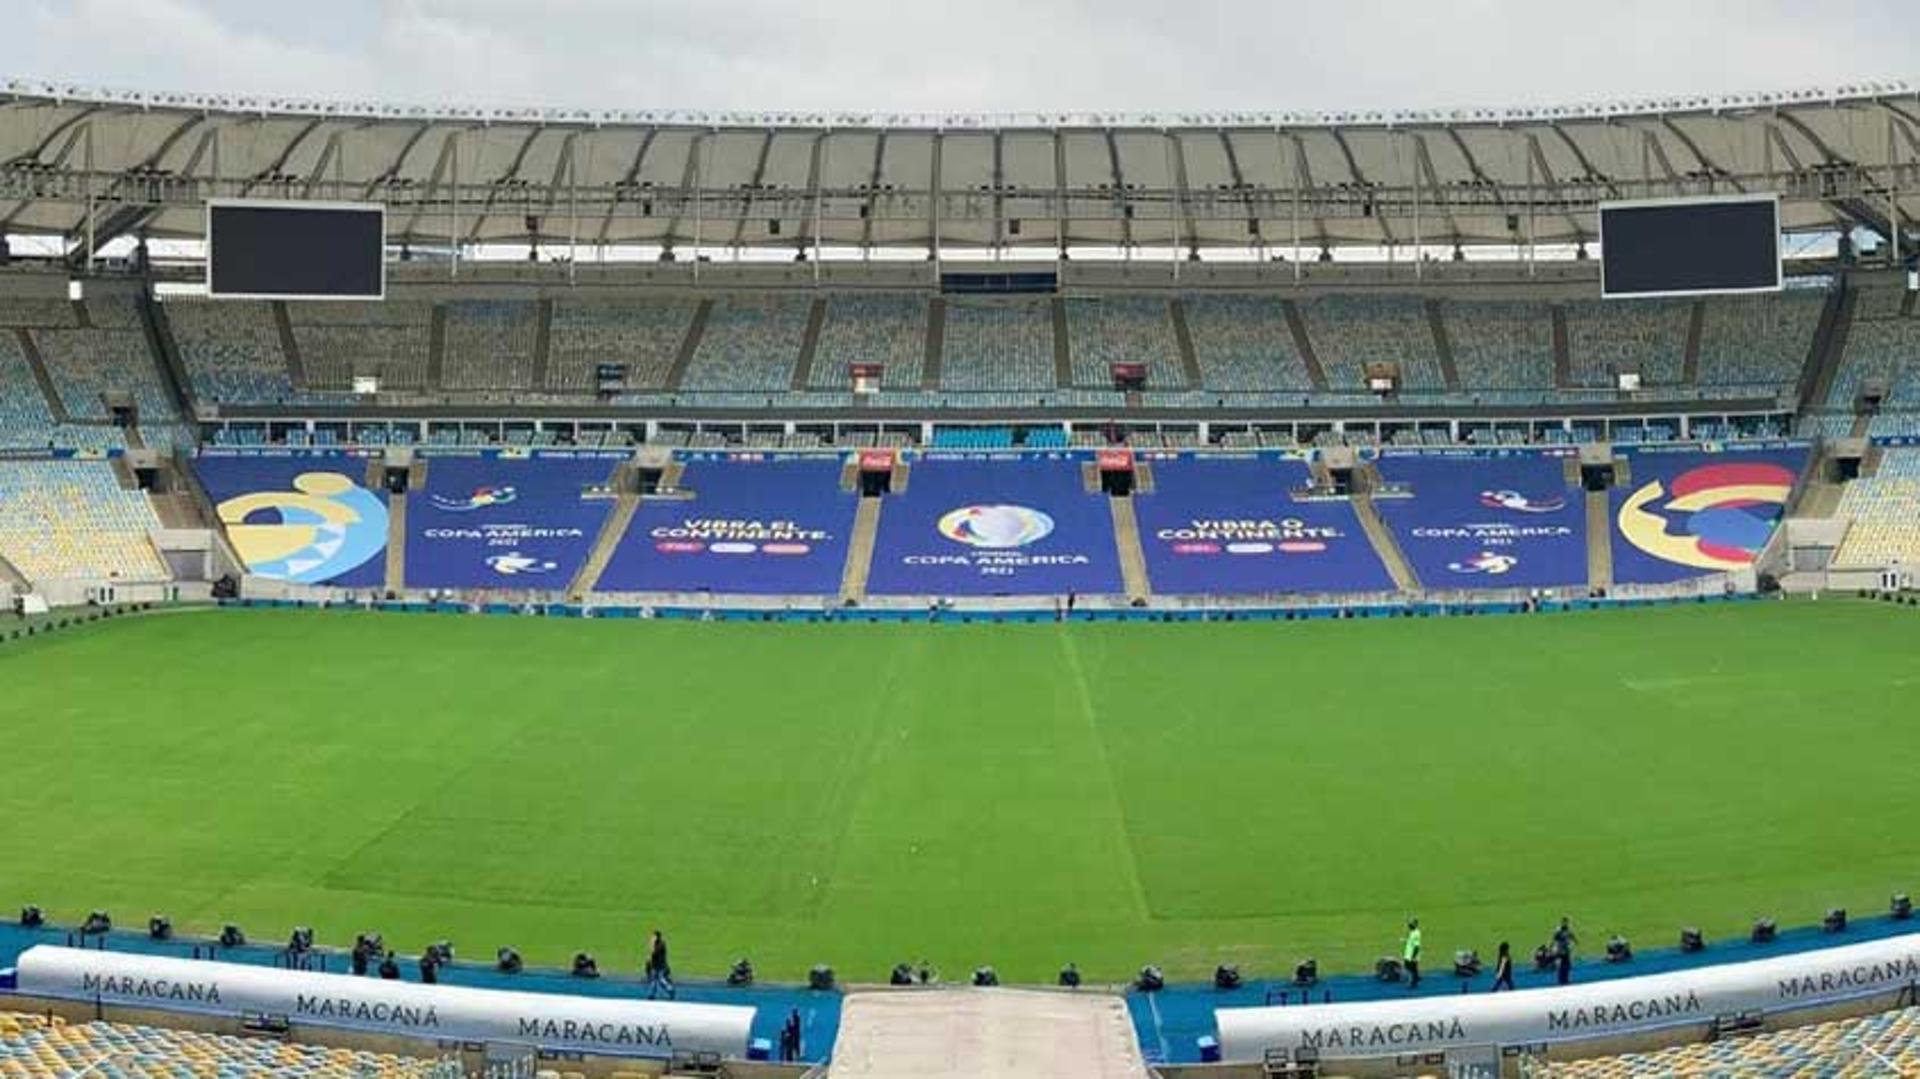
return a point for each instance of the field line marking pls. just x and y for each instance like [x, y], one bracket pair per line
[852, 791]
[1125, 834]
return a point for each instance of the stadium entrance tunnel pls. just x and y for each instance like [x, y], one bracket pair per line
[876, 482]
[1597, 477]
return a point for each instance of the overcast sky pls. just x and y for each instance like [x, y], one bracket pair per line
[962, 55]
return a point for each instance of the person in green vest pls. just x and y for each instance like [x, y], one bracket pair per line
[1410, 953]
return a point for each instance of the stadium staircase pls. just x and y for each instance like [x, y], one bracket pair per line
[396, 578]
[1126, 540]
[1303, 344]
[866, 528]
[809, 344]
[289, 344]
[542, 343]
[683, 359]
[184, 482]
[626, 504]
[1599, 541]
[936, 344]
[1183, 340]
[1384, 544]
[436, 349]
[1829, 346]
[1443, 345]
[31, 349]
[1690, 354]
[1062, 346]
[1562, 352]
[160, 342]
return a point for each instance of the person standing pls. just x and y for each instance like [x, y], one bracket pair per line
[790, 1037]
[1563, 942]
[659, 973]
[1503, 968]
[1410, 953]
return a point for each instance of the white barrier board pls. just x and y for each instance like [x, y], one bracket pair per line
[1575, 1012]
[454, 1013]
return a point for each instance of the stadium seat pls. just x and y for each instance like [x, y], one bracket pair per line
[889, 329]
[1884, 514]
[1003, 346]
[1122, 329]
[71, 520]
[751, 343]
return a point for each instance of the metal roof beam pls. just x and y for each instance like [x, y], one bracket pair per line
[1586, 163]
[808, 232]
[280, 160]
[1547, 174]
[1242, 191]
[627, 181]
[1120, 198]
[753, 185]
[1714, 172]
[688, 175]
[873, 184]
[1360, 181]
[1423, 163]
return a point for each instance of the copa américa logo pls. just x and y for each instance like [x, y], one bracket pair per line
[517, 565]
[1714, 517]
[1487, 562]
[999, 527]
[1520, 503]
[481, 498]
[325, 527]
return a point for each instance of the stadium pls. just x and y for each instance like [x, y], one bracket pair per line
[1068, 594]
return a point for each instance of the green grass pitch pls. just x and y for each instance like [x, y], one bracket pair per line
[1017, 795]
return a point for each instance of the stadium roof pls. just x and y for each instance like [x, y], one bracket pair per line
[86, 163]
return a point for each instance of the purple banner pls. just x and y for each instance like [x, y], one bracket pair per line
[504, 522]
[1487, 522]
[1229, 527]
[765, 527]
[995, 527]
[305, 518]
[1695, 512]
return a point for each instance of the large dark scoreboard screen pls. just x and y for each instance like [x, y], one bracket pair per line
[1684, 247]
[264, 250]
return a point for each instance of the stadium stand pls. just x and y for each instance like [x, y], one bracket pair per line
[490, 344]
[1887, 1043]
[70, 520]
[86, 364]
[25, 420]
[38, 314]
[1883, 353]
[1503, 346]
[1122, 329]
[644, 334]
[889, 329]
[1349, 332]
[232, 352]
[1885, 511]
[1001, 346]
[1605, 337]
[750, 344]
[32, 1045]
[1243, 344]
[1756, 345]
[338, 340]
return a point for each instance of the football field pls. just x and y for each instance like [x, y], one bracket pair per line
[1114, 795]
